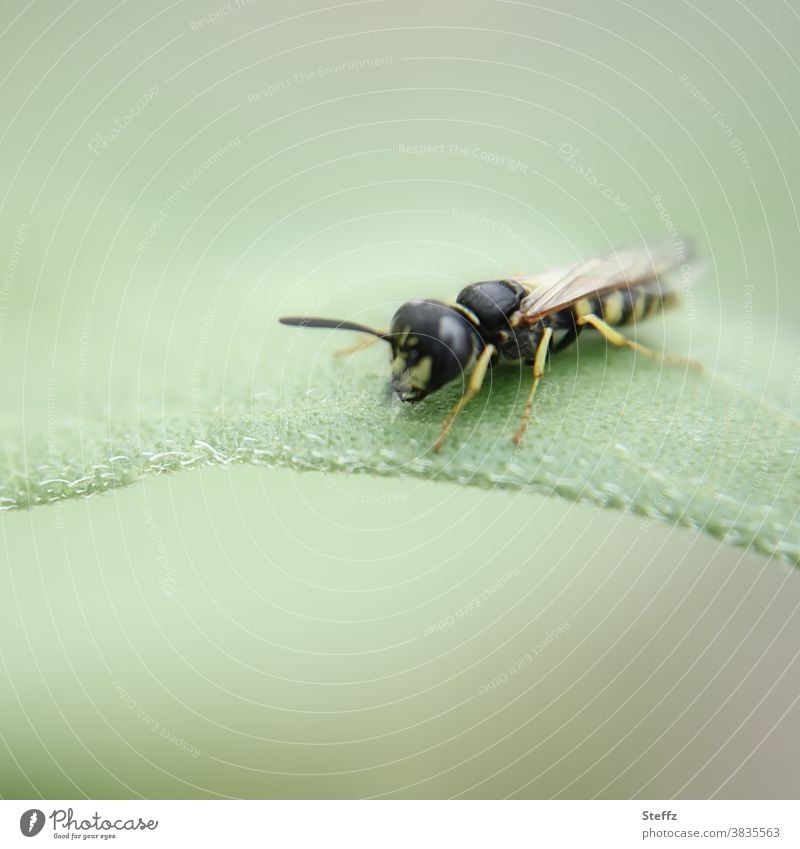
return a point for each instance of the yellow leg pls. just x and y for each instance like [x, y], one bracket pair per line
[359, 346]
[473, 388]
[615, 338]
[538, 370]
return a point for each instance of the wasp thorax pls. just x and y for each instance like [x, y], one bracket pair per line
[432, 344]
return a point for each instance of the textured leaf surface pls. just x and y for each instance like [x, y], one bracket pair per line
[610, 429]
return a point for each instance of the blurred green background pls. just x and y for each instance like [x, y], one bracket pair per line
[174, 178]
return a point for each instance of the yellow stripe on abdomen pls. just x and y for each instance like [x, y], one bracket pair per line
[639, 305]
[613, 306]
[625, 306]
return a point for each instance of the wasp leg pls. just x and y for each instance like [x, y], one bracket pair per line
[538, 370]
[473, 388]
[615, 338]
[359, 346]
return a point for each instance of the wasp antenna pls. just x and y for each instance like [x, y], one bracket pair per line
[332, 324]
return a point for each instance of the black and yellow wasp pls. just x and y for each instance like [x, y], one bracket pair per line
[518, 319]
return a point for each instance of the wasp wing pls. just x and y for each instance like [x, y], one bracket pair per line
[557, 289]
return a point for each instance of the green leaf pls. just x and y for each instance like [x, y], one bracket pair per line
[609, 428]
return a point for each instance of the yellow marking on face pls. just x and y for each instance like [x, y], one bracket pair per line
[582, 307]
[399, 362]
[420, 374]
[612, 307]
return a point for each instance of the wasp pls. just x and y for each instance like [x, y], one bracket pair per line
[521, 320]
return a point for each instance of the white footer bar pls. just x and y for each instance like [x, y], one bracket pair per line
[390, 824]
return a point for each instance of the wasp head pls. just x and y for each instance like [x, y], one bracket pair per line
[432, 344]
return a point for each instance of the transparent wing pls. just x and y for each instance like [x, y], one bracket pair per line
[559, 288]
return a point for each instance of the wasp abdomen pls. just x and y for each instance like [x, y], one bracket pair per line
[625, 306]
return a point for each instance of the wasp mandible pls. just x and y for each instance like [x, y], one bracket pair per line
[518, 319]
